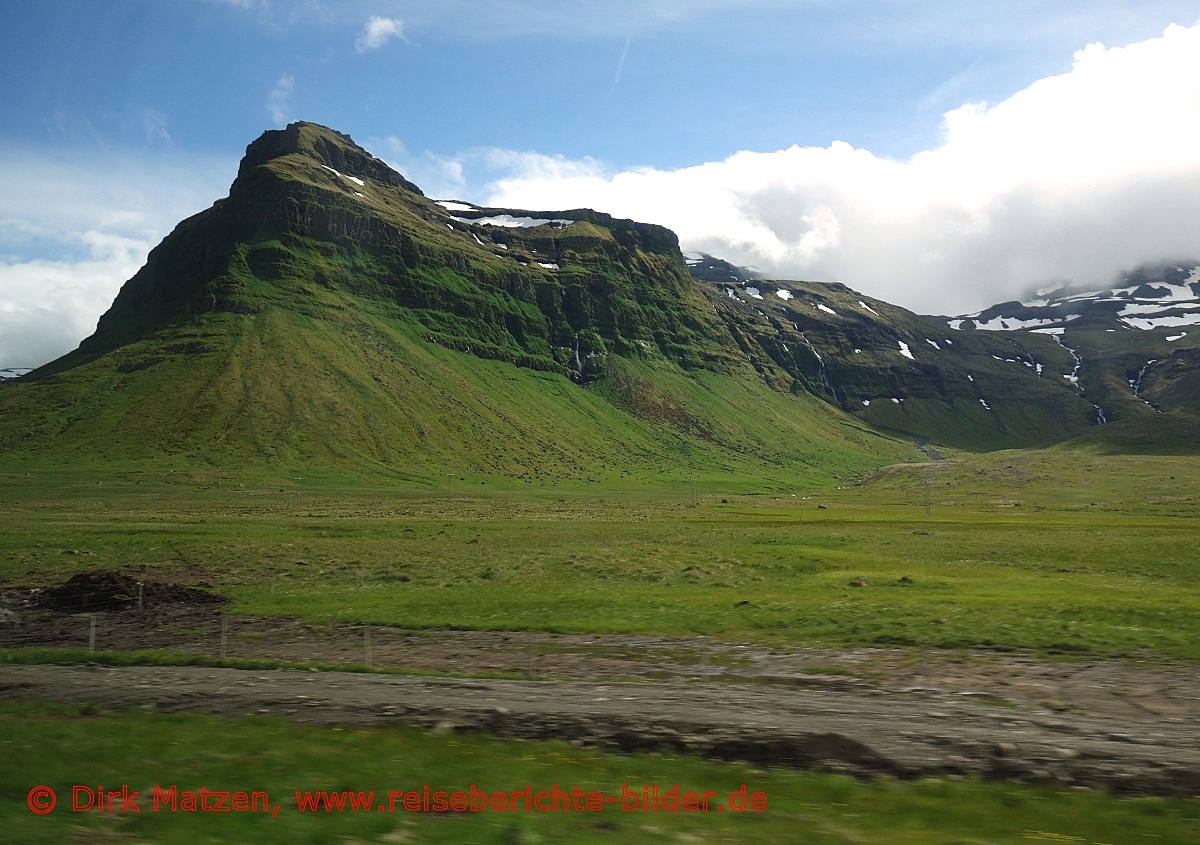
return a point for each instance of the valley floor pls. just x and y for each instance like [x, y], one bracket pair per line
[1039, 625]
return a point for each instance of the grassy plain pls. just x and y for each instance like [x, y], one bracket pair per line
[1070, 551]
[61, 746]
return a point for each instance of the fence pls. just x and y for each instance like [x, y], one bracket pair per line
[211, 633]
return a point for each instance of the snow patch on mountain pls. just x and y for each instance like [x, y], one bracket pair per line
[509, 222]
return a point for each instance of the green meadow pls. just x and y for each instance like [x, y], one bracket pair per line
[1067, 551]
[1073, 552]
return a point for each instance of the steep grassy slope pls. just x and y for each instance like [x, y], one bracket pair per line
[280, 387]
[313, 314]
[328, 313]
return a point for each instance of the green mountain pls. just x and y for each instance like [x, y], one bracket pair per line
[326, 312]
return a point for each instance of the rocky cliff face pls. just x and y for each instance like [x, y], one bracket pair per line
[1061, 364]
[327, 313]
[312, 218]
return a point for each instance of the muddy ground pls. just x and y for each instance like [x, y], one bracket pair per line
[1117, 725]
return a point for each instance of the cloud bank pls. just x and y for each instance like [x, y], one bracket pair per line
[72, 232]
[1071, 179]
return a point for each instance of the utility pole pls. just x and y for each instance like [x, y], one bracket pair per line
[693, 491]
[448, 477]
[928, 484]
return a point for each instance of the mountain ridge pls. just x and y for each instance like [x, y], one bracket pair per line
[1117, 355]
[1134, 349]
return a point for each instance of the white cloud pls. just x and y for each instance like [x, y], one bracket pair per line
[492, 19]
[47, 307]
[1075, 177]
[377, 32]
[73, 231]
[277, 100]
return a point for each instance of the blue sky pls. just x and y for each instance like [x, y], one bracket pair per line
[118, 118]
[699, 80]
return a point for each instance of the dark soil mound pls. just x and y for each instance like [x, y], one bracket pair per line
[103, 590]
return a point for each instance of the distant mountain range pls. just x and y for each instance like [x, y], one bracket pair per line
[1136, 350]
[1121, 353]
[1165, 296]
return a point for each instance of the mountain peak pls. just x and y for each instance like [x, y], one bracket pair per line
[326, 146]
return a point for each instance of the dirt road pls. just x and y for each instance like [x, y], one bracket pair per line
[857, 731]
[1076, 688]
